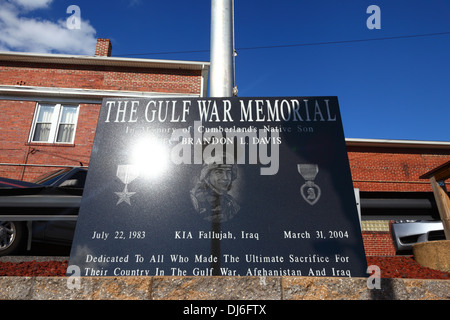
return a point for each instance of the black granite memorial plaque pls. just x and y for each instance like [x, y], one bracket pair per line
[208, 186]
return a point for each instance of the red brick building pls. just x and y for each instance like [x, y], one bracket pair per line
[50, 103]
[387, 175]
[394, 165]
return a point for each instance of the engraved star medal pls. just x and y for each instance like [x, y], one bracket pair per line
[309, 191]
[126, 174]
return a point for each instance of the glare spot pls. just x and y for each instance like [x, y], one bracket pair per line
[151, 158]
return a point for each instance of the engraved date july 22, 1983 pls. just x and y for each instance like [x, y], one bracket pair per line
[118, 235]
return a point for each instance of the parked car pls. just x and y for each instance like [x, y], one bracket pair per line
[406, 233]
[44, 210]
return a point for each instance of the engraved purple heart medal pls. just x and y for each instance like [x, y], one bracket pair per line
[309, 191]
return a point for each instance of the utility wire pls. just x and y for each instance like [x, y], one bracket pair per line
[346, 41]
[296, 44]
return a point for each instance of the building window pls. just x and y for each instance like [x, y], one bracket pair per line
[54, 123]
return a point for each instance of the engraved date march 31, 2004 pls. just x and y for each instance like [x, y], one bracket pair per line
[118, 235]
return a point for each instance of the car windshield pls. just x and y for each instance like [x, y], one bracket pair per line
[50, 177]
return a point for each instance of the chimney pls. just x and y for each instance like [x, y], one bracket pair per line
[103, 48]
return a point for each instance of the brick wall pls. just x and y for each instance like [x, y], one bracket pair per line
[15, 125]
[393, 169]
[377, 238]
[101, 78]
[378, 243]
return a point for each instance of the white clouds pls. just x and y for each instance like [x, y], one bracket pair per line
[33, 4]
[20, 31]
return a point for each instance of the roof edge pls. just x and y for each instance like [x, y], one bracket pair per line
[392, 143]
[101, 60]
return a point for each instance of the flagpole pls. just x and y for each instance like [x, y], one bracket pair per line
[222, 49]
[221, 82]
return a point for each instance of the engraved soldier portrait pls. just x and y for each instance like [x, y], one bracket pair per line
[211, 196]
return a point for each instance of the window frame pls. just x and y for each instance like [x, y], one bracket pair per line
[55, 122]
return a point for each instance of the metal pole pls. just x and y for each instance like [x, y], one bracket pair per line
[221, 82]
[222, 49]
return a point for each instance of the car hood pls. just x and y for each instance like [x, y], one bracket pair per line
[14, 187]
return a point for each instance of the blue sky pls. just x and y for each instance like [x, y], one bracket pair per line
[387, 89]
